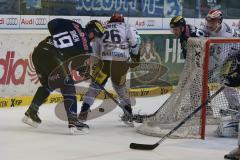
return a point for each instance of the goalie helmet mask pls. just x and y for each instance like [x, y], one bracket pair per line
[177, 21]
[96, 27]
[116, 17]
[214, 15]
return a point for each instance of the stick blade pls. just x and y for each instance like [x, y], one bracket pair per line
[143, 146]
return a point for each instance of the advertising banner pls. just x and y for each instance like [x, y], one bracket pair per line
[33, 21]
[141, 23]
[83, 20]
[161, 62]
[17, 74]
[18, 77]
[9, 21]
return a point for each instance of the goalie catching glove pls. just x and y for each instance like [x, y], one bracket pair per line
[232, 79]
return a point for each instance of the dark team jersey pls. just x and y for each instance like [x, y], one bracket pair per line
[69, 37]
[190, 31]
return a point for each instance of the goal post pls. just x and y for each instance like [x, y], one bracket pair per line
[201, 76]
[206, 77]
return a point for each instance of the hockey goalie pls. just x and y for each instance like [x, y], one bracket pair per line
[233, 80]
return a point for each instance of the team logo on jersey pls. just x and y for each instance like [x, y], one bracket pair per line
[150, 69]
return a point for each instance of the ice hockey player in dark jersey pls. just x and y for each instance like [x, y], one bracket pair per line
[68, 43]
[183, 31]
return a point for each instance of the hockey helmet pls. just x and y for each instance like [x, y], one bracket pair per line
[177, 21]
[214, 15]
[116, 17]
[96, 27]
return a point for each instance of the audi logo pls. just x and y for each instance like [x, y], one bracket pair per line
[40, 21]
[77, 20]
[11, 21]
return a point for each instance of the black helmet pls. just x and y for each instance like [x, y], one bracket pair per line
[96, 27]
[177, 21]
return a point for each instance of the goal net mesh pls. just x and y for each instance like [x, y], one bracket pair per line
[202, 75]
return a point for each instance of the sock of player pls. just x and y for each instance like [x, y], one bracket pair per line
[39, 98]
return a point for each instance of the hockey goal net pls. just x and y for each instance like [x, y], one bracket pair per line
[202, 75]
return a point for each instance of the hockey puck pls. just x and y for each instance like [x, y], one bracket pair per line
[101, 110]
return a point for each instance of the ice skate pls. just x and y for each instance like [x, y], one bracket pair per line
[76, 127]
[127, 117]
[84, 112]
[31, 117]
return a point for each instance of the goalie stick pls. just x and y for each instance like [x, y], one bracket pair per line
[228, 111]
[139, 146]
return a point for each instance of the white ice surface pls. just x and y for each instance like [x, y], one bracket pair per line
[109, 139]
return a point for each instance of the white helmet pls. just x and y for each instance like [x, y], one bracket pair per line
[214, 15]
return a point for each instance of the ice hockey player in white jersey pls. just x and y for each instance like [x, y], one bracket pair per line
[215, 26]
[113, 51]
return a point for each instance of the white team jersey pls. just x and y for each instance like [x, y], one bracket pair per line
[225, 31]
[118, 41]
[220, 51]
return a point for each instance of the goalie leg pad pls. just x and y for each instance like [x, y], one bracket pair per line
[228, 127]
[232, 98]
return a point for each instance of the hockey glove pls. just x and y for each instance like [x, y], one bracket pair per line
[135, 60]
[233, 78]
[84, 70]
[98, 75]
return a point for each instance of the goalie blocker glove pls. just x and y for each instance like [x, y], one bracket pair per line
[233, 80]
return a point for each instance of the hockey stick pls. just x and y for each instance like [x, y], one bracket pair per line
[139, 146]
[110, 96]
[140, 117]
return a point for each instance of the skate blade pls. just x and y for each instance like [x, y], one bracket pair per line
[230, 158]
[128, 124]
[29, 122]
[75, 131]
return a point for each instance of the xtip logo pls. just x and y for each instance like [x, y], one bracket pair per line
[12, 21]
